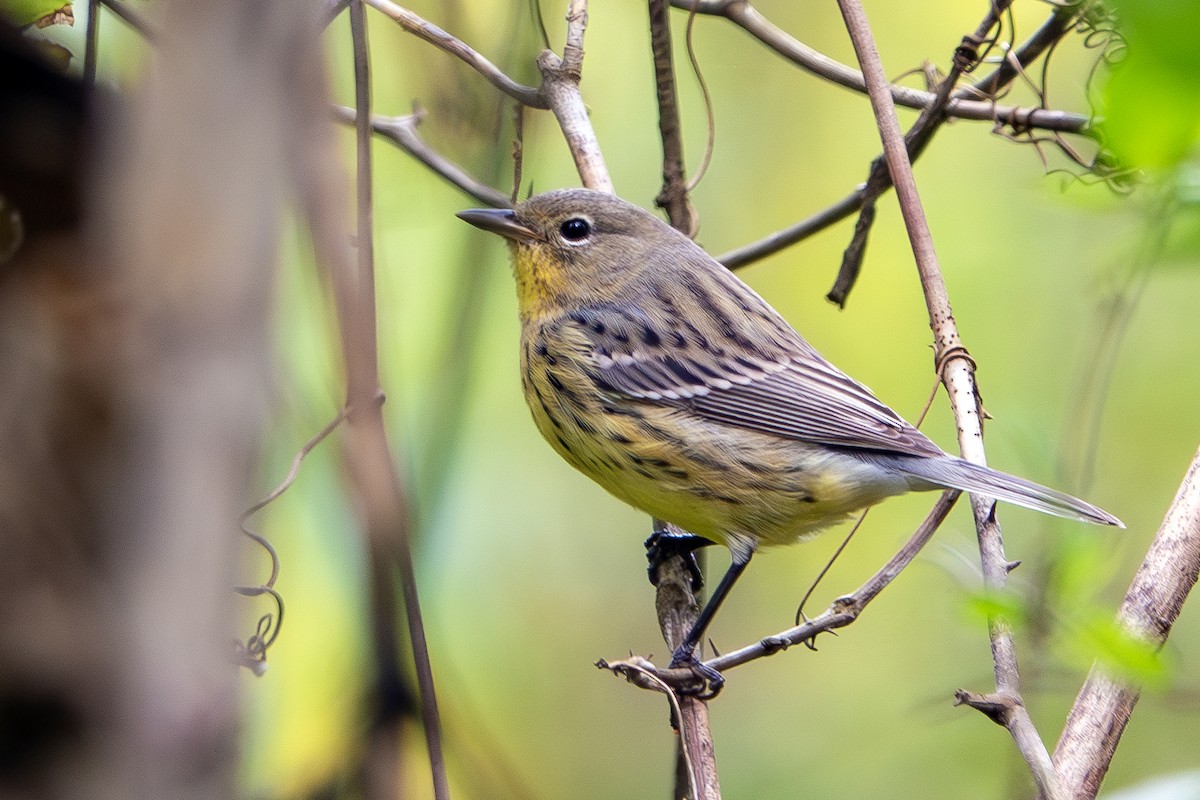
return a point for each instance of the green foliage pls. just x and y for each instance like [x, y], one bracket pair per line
[1151, 115]
[1007, 606]
[27, 12]
[1101, 638]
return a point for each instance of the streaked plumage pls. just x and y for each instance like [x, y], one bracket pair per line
[663, 377]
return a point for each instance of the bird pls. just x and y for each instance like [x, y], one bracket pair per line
[663, 377]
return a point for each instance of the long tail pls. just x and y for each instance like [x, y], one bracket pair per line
[955, 473]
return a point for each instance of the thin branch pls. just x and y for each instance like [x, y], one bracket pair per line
[744, 15]
[918, 137]
[362, 373]
[91, 43]
[1152, 604]
[560, 88]
[844, 610]
[402, 132]
[796, 232]
[675, 596]
[710, 114]
[837, 553]
[674, 195]
[957, 371]
[1021, 119]
[677, 607]
[437, 37]
[518, 152]
[133, 19]
[372, 464]
[641, 673]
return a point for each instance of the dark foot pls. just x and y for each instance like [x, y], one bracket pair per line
[685, 658]
[663, 545]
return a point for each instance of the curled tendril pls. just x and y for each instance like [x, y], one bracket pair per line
[1096, 29]
[252, 653]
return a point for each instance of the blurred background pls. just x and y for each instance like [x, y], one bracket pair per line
[1077, 301]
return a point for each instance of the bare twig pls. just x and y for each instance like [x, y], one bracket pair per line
[362, 365]
[674, 195]
[1059, 23]
[1151, 606]
[677, 607]
[675, 596]
[431, 33]
[957, 371]
[133, 19]
[371, 462]
[919, 136]
[402, 132]
[837, 553]
[744, 15]
[518, 151]
[844, 610]
[90, 39]
[641, 673]
[560, 87]
[710, 114]
[796, 232]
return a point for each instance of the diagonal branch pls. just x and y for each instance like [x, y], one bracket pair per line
[437, 37]
[745, 16]
[1152, 604]
[844, 610]
[133, 19]
[919, 136]
[402, 132]
[1059, 24]
[958, 374]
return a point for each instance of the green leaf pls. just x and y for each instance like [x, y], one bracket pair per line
[1120, 651]
[990, 605]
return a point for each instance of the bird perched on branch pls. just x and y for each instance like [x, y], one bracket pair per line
[660, 375]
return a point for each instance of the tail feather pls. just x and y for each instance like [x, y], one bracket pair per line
[956, 473]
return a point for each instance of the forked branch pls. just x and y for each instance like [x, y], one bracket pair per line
[957, 371]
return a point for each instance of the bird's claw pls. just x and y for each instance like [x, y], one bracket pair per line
[663, 545]
[710, 680]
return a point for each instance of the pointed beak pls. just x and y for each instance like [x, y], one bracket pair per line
[499, 220]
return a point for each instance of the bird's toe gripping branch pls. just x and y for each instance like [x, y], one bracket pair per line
[664, 544]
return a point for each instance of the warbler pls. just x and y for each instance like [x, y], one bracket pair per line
[663, 377]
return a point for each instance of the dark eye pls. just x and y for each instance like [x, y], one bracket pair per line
[575, 229]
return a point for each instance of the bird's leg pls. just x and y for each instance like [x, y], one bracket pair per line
[685, 654]
[664, 543]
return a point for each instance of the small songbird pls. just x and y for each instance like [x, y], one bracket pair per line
[660, 375]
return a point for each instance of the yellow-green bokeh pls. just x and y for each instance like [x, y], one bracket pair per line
[528, 572]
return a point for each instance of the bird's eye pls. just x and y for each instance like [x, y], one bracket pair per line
[576, 229]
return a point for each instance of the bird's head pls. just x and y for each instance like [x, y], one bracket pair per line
[575, 247]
